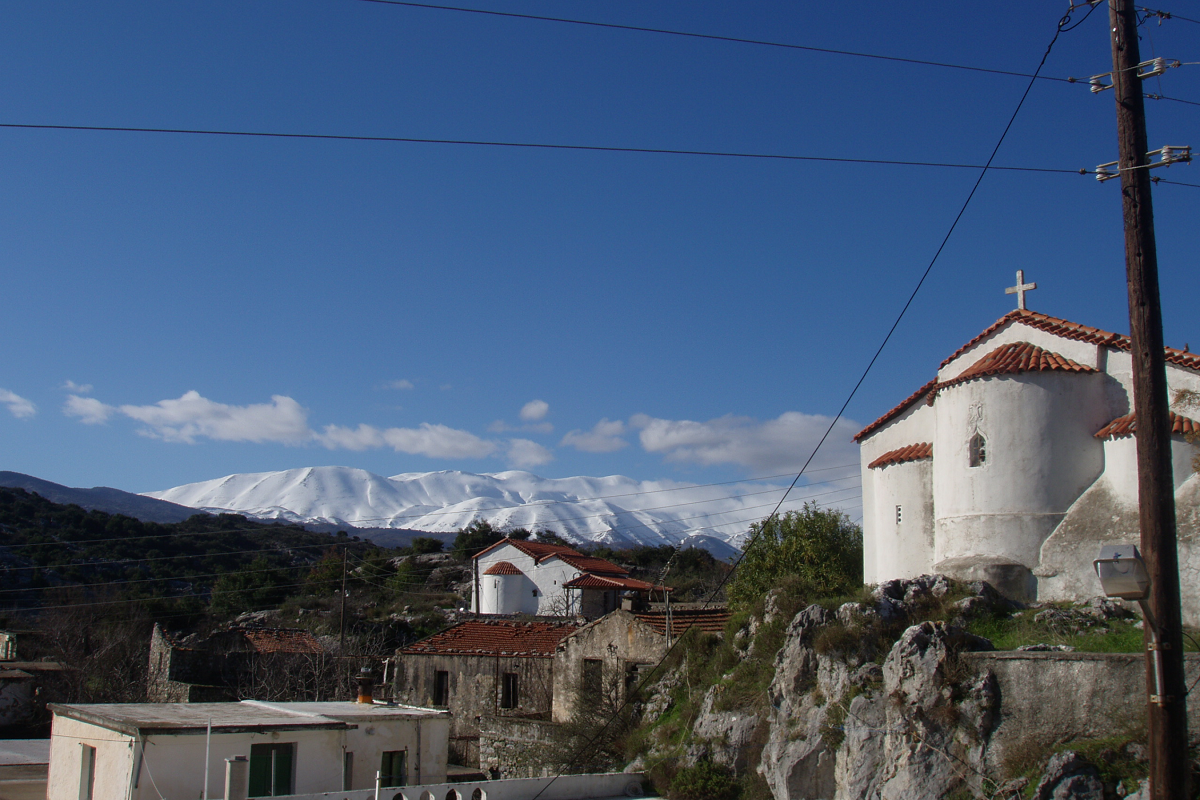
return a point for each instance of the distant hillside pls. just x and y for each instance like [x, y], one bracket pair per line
[44, 545]
[101, 498]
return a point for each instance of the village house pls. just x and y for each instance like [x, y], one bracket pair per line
[147, 751]
[517, 576]
[482, 668]
[1017, 461]
[228, 664]
[24, 765]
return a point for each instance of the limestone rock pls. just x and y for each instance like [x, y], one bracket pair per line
[721, 736]
[1069, 776]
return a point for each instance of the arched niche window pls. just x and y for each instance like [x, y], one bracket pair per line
[977, 450]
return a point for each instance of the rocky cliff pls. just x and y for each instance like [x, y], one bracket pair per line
[872, 701]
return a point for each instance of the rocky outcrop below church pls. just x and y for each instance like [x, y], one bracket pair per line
[874, 699]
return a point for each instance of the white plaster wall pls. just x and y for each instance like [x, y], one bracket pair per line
[114, 761]
[372, 739]
[915, 425]
[1041, 455]
[547, 577]
[904, 549]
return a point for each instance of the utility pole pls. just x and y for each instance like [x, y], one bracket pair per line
[342, 626]
[1166, 707]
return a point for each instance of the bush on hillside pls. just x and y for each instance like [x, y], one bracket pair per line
[820, 548]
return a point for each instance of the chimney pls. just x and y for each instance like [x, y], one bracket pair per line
[366, 683]
[237, 778]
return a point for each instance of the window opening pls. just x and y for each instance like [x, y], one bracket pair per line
[441, 688]
[509, 696]
[593, 678]
[87, 773]
[271, 767]
[347, 771]
[393, 771]
[977, 450]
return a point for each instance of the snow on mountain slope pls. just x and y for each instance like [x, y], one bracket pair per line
[615, 510]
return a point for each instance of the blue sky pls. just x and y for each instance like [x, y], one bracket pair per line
[181, 307]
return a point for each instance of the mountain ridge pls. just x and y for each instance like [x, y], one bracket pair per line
[613, 510]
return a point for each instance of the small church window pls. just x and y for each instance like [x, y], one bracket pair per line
[977, 450]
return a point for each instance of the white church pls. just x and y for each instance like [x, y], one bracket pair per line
[1017, 461]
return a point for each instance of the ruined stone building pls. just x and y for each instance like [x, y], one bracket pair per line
[482, 668]
[224, 666]
[505, 678]
[1017, 461]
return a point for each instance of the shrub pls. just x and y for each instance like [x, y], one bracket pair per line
[704, 781]
[821, 548]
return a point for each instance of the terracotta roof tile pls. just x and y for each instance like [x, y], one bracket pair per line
[281, 640]
[611, 582]
[709, 621]
[502, 568]
[535, 550]
[1042, 322]
[495, 638]
[1015, 358]
[1127, 426]
[592, 564]
[910, 452]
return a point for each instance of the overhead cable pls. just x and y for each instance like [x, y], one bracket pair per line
[524, 145]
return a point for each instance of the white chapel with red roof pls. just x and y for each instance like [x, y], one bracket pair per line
[519, 576]
[1017, 461]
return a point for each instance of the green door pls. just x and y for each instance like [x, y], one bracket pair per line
[393, 771]
[271, 769]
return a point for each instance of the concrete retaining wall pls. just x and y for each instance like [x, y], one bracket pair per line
[1050, 698]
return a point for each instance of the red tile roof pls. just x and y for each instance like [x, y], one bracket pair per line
[540, 551]
[502, 568]
[926, 390]
[707, 620]
[1042, 322]
[612, 582]
[1075, 331]
[535, 550]
[592, 564]
[910, 452]
[1014, 358]
[1127, 426]
[495, 638]
[281, 640]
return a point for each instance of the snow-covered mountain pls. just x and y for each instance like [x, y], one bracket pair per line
[615, 510]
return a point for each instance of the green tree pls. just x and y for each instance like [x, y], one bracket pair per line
[426, 544]
[820, 548]
[474, 537]
[257, 587]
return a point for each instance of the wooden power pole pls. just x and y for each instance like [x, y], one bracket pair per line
[1166, 707]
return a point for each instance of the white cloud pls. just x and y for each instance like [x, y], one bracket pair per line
[72, 386]
[535, 410]
[282, 420]
[526, 453]
[435, 441]
[89, 410]
[604, 437]
[500, 426]
[401, 384]
[18, 406]
[775, 445]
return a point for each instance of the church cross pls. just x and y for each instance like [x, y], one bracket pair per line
[1020, 289]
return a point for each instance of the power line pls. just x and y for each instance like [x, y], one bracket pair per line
[1166, 15]
[1157, 179]
[525, 145]
[712, 37]
[1172, 99]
